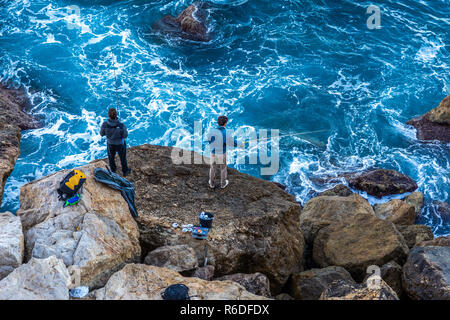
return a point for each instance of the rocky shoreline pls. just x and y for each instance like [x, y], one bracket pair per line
[263, 243]
[13, 119]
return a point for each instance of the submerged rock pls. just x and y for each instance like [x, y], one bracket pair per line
[396, 211]
[11, 243]
[256, 226]
[256, 283]
[415, 234]
[96, 237]
[382, 182]
[338, 190]
[309, 285]
[143, 282]
[435, 124]
[322, 211]
[343, 290]
[443, 210]
[39, 279]
[190, 24]
[177, 258]
[357, 243]
[426, 274]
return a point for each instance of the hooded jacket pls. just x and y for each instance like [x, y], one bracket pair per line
[115, 131]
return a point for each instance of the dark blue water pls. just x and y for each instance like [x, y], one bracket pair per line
[290, 65]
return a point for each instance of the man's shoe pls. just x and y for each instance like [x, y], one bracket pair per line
[127, 172]
[224, 186]
[211, 185]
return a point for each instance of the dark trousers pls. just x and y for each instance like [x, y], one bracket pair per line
[121, 149]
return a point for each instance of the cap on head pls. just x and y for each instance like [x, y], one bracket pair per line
[112, 114]
[222, 120]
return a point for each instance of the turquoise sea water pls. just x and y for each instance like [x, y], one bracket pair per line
[290, 65]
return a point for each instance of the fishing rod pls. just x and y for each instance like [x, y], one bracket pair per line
[286, 135]
[115, 83]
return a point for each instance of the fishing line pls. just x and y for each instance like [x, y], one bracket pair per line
[286, 135]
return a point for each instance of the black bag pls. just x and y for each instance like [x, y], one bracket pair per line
[176, 292]
[70, 185]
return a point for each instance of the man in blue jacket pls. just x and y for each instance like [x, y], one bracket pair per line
[218, 142]
[116, 133]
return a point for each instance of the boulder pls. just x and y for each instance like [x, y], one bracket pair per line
[437, 242]
[435, 124]
[190, 24]
[443, 210]
[205, 273]
[39, 279]
[177, 258]
[396, 211]
[143, 282]
[415, 233]
[96, 237]
[343, 290]
[415, 199]
[11, 243]
[426, 273]
[256, 227]
[382, 182]
[322, 211]
[391, 273]
[309, 285]
[358, 242]
[256, 283]
[339, 190]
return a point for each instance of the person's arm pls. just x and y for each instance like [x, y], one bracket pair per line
[124, 131]
[211, 137]
[231, 141]
[102, 130]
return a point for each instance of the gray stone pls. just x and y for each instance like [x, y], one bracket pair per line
[11, 243]
[39, 279]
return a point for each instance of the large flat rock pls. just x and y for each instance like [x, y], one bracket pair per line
[95, 238]
[256, 226]
[143, 282]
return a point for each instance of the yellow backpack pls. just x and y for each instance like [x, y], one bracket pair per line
[70, 185]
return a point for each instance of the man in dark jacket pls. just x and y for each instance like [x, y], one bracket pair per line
[116, 133]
